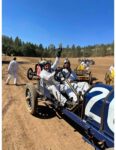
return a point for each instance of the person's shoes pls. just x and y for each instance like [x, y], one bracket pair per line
[16, 84]
[7, 83]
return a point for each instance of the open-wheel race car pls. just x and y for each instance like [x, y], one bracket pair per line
[84, 75]
[93, 113]
[34, 73]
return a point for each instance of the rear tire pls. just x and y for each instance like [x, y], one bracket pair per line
[30, 74]
[31, 98]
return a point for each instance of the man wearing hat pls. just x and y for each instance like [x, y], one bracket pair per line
[71, 86]
[47, 78]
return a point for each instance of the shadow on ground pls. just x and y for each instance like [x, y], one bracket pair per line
[45, 112]
[20, 62]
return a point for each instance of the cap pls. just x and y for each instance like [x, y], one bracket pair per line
[44, 62]
[66, 61]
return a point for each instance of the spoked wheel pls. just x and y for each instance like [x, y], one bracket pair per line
[31, 98]
[30, 74]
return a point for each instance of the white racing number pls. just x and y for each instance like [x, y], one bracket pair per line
[92, 102]
[110, 120]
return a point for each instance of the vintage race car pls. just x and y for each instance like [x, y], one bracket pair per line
[94, 113]
[34, 73]
[90, 61]
[31, 74]
[84, 75]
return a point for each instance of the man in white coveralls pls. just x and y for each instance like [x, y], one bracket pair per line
[47, 77]
[72, 80]
[12, 71]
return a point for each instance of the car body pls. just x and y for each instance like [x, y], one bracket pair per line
[98, 116]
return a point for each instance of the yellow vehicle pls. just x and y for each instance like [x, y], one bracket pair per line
[81, 67]
[83, 73]
[109, 76]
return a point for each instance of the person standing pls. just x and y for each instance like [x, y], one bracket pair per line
[12, 71]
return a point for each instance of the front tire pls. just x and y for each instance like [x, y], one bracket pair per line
[31, 98]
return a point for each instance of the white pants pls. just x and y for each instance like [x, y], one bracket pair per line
[55, 91]
[79, 86]
[12, 76]
[66, 89]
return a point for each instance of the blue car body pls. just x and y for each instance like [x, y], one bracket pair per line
[97, 116]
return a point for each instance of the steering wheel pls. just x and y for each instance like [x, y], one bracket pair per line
[61, 75]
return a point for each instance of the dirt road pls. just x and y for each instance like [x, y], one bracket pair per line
[21, 131]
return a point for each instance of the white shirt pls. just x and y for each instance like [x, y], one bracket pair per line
[47, 76]
[12, 67]
[69, 75]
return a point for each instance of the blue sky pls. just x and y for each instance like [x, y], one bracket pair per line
[79, 22]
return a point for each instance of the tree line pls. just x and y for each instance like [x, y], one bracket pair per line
[17, 47]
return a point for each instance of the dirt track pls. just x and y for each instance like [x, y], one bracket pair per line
[21, 131]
